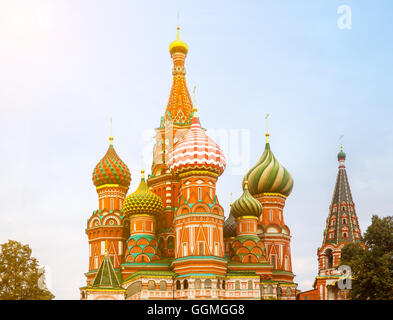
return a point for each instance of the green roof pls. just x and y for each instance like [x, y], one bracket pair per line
[106, 276]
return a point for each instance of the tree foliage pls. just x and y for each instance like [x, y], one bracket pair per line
[372, 269]
[20, 275]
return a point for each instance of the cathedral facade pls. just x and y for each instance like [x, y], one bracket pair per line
[169, 239]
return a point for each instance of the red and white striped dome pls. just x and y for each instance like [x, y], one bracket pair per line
[197, 151]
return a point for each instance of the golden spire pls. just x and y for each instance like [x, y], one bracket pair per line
[194, 109]
[230, 204]
[111, 137]
[246, 185]
[267, 128]
[143, 174]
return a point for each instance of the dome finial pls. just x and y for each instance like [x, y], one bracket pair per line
[143, 174]
[111, 137]
[194, 109]
[267, 128]
[230, 203]
[341, 155]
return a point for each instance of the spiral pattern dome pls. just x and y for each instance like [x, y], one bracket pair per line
[196, 151]
[230, 227]
[246, 205]
[142, 201]
[111, 170]
[268, 176]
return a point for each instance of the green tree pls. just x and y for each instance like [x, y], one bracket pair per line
[372, 269]
[20, 275]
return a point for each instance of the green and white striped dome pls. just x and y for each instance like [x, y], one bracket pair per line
[268, 176]
[246, 205]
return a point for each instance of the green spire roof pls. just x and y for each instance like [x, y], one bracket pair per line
[106, 276]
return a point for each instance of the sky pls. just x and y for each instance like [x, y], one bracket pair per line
[68, 66]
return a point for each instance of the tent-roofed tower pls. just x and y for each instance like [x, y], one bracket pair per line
[342, 227]
[342, 223]
[173, 125]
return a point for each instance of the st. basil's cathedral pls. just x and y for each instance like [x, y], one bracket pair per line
[169, 239]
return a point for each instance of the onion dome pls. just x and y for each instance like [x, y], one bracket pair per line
[142, 201]
[111, 169]
[197, 151]
[268, 175]
[178, 45]
[341, 155]
[230, 227]
[246, 205]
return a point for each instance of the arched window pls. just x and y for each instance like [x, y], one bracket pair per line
[218, 284]
[237, 285]
[163, 285]
[249, 285]
[289, 292]
[287, 263]
[197, 284]
[208, 284]
[151, 285]
[185, 284]
[171, 242]
[199, 194]
[329, 258]
[223, 284]
[178, 285]
[344, 221]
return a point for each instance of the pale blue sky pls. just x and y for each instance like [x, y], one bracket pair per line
[67, 66]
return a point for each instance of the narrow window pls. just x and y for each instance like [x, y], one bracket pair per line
[112, 201]
[274, 261]
[120, 247]
[201, 249]
[199, 194]
[271, 215]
